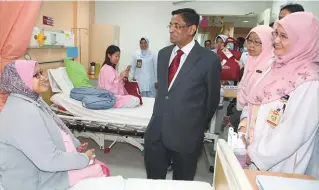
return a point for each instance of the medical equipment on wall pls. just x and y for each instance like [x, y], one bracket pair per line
[50, 38]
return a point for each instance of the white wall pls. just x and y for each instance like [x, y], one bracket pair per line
[264, 17]
[150, 19]
[136, 20]
[227, 7]
[275, 9]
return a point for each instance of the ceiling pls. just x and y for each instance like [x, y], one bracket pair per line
[239, 20]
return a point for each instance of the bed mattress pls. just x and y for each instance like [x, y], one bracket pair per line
[139, 116]
[119, 183]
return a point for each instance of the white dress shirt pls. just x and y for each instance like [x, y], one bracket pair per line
[186, 49]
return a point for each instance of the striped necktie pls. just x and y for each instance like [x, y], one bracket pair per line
[174, 66]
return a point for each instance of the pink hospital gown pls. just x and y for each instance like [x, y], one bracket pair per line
[110, 80]
[98, 169]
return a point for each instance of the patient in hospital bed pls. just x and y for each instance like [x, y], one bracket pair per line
[111, 81]
[37, 150]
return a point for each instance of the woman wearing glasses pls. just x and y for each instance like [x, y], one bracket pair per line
[260, 57]
[283, 107]
[37, 150]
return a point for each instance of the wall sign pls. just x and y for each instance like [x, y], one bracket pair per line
[48, 21]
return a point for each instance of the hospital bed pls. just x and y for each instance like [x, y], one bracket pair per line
[115, 125]
[118, 183]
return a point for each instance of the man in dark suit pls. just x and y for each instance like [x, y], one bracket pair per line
[187, 97]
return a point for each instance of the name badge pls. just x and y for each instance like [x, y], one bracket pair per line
[139, 63]
[274, 117]
[227, 53]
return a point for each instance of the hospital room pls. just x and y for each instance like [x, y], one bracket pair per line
[140, 95]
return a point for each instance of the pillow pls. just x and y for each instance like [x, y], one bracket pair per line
[59, 80]
[77, 73]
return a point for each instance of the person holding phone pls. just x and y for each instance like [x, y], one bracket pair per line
[144, 69]
[113, 82]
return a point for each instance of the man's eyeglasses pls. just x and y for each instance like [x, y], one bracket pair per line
[38, 74]
[176, 26]
[253, 42]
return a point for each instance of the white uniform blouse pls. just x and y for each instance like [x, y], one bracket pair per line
[289, 146]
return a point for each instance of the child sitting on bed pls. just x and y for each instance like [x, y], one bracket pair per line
[111, 81]
[38, 151]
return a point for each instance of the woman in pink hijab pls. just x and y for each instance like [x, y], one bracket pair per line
[36, 146]
[283, 106]
[260, 57]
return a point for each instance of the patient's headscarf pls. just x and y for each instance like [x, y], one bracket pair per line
[17, 78]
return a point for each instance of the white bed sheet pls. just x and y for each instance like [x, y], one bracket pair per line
[138, 117]
[118, 183]
[148, 184]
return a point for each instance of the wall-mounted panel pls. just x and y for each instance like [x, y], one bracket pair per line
[49, 38]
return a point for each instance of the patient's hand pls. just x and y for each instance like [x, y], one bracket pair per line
[90, 153]
[82, 147]
[124, 74]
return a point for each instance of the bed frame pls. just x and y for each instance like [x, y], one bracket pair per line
[99, 131]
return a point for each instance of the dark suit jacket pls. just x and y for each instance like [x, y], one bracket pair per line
[182, 114]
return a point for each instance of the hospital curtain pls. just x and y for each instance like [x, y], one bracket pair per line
[17, 20]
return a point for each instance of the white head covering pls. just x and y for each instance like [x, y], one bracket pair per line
[223, 37]
[144, 53]
[147, 41]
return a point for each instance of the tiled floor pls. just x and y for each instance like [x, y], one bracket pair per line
[127, 161]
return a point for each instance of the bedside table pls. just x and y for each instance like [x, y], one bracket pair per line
[93, 80]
